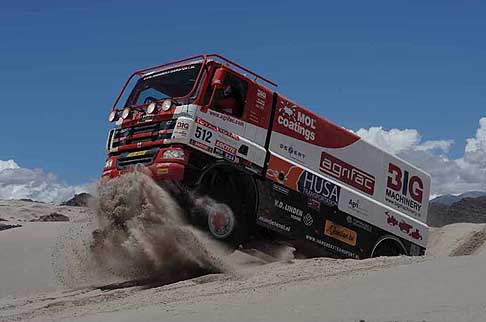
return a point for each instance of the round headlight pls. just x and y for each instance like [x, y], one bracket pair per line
[151, 108]
[125, 113]
[112, 117]
[166, 105]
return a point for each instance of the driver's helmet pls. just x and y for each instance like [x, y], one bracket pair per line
[228, 91]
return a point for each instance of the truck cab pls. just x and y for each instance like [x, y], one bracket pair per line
[157, 125]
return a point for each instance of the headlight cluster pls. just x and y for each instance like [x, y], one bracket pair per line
[125, 113]
[113, 116]
[166, 105]
[151, 108]
[175, 154]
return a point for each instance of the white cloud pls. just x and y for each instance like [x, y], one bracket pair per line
[448, 175]
[396, 141]
[17, 183]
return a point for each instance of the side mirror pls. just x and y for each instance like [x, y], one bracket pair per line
[217, 84]
[218, 78]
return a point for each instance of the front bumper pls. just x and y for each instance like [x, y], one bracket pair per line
[159, 169]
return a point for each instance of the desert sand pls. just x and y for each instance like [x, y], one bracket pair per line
[42, 278]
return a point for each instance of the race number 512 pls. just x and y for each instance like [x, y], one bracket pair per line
[203, 134]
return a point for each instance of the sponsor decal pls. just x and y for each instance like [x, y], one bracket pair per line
[205, 123]
[181, 129]
[293, 152]
[308, 220]
[280, 189]
[137, 153]
[229, 157]
[314, 204]
[181, 125]
[295, 213]
[318, 188]
[331, 246]
[225, 147]
[404, 191]
[275, 224]
[261, 98]
[213, 127]
[146, 118]
[358, 206]
[227, 118]
[296, 120]
[229, 134]
[340, 233]
[358, 223]
[403, 226]
[347, 173]
[170, 71]
[201, 146]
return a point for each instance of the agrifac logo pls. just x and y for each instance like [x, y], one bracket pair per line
[404, 191]
[296, 121]
[347, 173]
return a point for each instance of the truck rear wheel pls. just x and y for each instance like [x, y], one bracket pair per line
[388, 246]
[227, 205]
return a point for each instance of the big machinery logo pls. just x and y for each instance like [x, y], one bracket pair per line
[347, 173]
[295, 120]
[403, 190]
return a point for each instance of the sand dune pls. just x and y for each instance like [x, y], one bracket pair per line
[445, 285]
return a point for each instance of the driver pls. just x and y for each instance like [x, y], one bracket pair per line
[230, 101]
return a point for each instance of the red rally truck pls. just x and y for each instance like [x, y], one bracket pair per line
[213, 128]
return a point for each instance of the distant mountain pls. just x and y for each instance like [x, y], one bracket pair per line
[79, 200]
[448, 200]
[467, 209]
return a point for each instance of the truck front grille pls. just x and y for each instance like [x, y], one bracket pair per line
[129, 159]
[143, 133]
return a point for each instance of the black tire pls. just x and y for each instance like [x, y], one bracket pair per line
[225, 192]
[388, 247]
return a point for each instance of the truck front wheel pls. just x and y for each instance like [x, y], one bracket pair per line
[227, 203]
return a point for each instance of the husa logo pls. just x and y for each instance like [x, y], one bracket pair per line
[296, 121]
[318, 188]
[347, 173]
[404, 189]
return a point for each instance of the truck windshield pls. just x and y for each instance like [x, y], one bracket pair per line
[175, 82]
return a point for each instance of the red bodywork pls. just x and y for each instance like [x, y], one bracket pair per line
[162, 169]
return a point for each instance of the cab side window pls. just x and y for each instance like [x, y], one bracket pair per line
[231, 99]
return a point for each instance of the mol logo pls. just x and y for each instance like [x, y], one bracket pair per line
[295, 120]
[403, 190]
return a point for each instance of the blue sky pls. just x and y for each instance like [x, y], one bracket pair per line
[397, 64]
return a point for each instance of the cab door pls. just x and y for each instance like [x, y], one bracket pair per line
[234, 126]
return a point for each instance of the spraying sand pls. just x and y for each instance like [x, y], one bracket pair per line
[137, 233]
